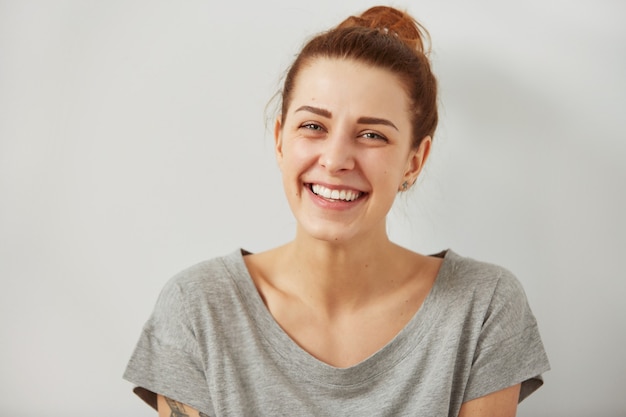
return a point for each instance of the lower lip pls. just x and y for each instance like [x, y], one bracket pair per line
[333, 204]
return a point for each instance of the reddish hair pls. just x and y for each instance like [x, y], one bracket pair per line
[386, 38]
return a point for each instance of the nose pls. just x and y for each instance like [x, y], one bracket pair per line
[337, 153]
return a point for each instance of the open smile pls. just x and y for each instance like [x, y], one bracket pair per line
[346, 195]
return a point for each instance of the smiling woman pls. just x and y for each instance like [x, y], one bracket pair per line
[347, 131]
[341, 320]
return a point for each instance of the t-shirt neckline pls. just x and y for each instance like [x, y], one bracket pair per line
[302, 364]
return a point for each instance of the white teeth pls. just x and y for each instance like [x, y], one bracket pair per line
[345, 195]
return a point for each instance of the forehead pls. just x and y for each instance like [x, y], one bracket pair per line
[350, 86]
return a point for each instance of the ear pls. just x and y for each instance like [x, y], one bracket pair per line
[278, 140]
[417, 159]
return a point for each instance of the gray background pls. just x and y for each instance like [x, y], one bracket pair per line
[133, 144]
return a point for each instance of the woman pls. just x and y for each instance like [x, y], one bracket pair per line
[342, 321]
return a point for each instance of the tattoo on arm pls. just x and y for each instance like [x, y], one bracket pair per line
[178, 409]
[202, 414]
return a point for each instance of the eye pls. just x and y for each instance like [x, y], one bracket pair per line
[374, 136]
[312, 126]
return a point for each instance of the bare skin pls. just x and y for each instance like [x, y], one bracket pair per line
[170, 408]
[343, 311]
[501, 403]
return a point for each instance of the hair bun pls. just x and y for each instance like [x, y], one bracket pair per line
[391, 21]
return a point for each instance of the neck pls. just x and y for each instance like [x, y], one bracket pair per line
[333, 275]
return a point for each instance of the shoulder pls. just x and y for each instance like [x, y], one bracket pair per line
[214, 272]
[487, 289]
[211, 290]
[499, 293]
[501, 282]
[204, 282]
[465, 272]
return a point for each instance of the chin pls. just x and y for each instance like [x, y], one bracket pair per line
[321, 230]
[330, 232]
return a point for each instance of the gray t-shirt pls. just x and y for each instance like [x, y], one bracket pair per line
[212, 344]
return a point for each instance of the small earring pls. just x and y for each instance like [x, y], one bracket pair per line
[405, 185]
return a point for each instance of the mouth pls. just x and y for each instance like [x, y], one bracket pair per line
[345, 195]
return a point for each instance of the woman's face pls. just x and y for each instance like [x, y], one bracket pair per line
[345, 149]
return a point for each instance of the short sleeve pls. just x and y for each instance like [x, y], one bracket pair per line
[166, 359]
[509, 349]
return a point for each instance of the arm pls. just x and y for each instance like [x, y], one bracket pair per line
[501, 403]
[170, 408]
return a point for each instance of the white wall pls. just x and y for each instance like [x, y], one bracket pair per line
[132, 144]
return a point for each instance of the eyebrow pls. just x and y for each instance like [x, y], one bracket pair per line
[362, 120]
[315, 110]
[375, 121]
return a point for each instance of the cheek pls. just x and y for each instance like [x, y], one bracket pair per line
[390, 167]
[390, 178]
[297, 157]
[292, 166]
